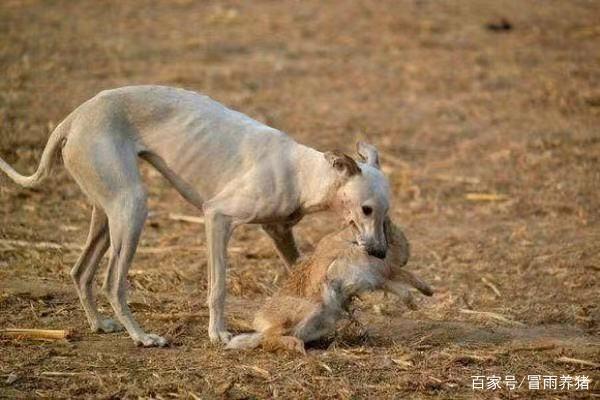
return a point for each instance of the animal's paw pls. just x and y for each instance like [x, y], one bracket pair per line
[219, 336]
[151, 340]
[108, 326]
[293, 344]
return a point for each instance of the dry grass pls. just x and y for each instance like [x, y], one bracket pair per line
[490, 139]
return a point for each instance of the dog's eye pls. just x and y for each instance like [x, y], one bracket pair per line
[367, 210]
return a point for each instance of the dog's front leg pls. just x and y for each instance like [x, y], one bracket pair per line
[218, 232]
[285, 244]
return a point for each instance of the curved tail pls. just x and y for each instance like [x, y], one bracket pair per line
[245, 341]
[54, 144]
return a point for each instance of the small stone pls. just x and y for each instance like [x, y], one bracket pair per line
[12, 377]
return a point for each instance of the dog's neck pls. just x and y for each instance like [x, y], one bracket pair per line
[318, 182]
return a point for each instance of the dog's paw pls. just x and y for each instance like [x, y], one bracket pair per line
[220, 336]
[151, 340]
[108, 326]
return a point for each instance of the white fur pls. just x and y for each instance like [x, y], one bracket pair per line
[245, 341]
[234, 168]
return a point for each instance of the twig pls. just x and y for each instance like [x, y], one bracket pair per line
[40, 245]
[58, 373]
[492, 315]
[489, 284]
[44, 334]
[404, 364]
[541, 347]
[569, 360]
[260, 371]
[485, 197]
[194, 396]
[186, 218]
[11, 243]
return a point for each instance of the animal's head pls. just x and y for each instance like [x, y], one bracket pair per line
[362, 197]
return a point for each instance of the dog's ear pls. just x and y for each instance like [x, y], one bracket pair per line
[368, 153]
[342, 163]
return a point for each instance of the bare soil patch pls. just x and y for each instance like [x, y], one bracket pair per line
[489, 136]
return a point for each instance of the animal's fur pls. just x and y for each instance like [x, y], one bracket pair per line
[315, 296]
[234, 168]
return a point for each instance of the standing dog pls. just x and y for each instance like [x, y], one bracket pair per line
[235, 169]
[319, 290]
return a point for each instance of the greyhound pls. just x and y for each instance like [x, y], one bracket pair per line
[235, 169]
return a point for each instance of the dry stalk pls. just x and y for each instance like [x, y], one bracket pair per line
[485, 197]
[489, 284]
[186, 218]
[491, 315]
[576, 361]
[40, 334]
[12, 243]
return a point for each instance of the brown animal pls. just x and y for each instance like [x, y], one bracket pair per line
[320, 288]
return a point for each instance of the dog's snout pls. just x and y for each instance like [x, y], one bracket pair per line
[377, 252]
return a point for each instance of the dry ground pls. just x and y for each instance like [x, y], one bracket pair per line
[456, 109]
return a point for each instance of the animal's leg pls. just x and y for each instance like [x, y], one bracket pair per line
[315, 325]
[126, 219]
[402, 291]
[283, 237]
[105, 165]
[276, 336]
[85, 269]
[218, 232]
[292, 343]
[289, 343]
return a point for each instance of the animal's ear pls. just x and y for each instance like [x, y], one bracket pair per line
[342, 163]
[368, 153]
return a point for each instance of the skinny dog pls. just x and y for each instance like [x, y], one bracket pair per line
[235, 169]
[318, 291]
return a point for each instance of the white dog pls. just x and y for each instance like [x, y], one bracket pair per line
[237, 170]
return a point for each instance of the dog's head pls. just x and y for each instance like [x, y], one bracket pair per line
[362, 197]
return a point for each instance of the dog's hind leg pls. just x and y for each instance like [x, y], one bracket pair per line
[105, 165]
[126, 219]
[283, 237]
[85, 269]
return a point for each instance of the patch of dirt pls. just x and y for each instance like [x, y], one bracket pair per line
[489, 137]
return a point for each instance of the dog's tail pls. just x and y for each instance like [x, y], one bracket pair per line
[245, 341]
[55, 143]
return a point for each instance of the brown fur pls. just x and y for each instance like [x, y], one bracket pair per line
[302, 294]
[343, 162]
[309, 274]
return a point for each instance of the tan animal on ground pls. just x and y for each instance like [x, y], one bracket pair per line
[320, 288]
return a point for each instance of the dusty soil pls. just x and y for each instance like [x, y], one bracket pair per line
[456, 108]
